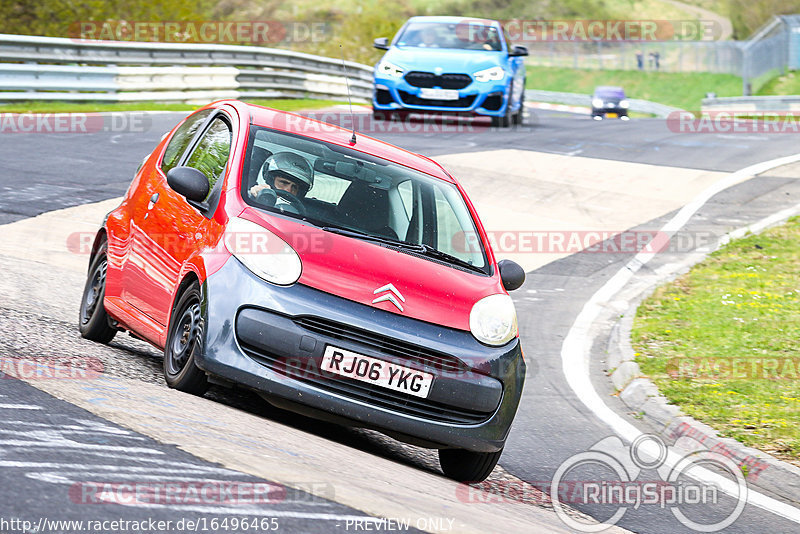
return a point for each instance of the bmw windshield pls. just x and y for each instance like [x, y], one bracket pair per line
[361, 196]
[467, 35]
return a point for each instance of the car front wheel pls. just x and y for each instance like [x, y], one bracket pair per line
[468, 466]
[185, 344]
[506, 119]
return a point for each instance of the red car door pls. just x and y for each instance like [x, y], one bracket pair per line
[171, 228]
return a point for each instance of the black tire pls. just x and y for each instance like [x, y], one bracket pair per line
[506, 120]
[468, 466]
[93, 320]
[519, 116]
[185, 342]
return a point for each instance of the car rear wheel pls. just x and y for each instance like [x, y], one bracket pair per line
[468, 466]
[185, 344]
[94, 322]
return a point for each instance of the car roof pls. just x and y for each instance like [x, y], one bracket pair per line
[450, 19]
[314, 129]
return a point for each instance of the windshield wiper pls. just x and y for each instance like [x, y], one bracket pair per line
[449, 258]
[422, 249]
[377, 239]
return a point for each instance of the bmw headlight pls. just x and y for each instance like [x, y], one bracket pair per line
[494, 74]
[389, 69]
[624, 104]
[597, 102]
[493, 320]
[262, 252]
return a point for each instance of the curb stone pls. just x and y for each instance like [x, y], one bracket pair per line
[641, 395]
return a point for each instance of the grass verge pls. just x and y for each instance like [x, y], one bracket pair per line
[721, 342]
[99, 107]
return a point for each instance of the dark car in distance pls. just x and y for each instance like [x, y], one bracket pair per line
[609, 102]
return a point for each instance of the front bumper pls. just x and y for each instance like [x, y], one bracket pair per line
[271, 339]
[478, 98]
[602, 112]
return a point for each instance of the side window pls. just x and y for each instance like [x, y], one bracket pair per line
[180, 141]
[448, 227]
[212, 151]
[407, 196]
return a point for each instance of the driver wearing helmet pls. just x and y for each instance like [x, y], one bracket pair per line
[286, 172]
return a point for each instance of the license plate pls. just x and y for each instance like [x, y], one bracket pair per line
[611, 115]
[374, 371]
[438, 94]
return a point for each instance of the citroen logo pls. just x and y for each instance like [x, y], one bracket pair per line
[392, 296]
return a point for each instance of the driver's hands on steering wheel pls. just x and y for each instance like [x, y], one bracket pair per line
[268, 196]
[289, 203]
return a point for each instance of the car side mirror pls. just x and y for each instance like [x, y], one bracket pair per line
[518, 50]
[381, 43]
[512, 275]
[189, 182]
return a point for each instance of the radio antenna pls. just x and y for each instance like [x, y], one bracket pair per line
[349, 100]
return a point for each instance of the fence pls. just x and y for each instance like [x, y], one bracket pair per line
[47, 68]
[768, 52]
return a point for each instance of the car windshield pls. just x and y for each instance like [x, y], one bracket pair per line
[609, 92]
[467, 35]
[361, 196]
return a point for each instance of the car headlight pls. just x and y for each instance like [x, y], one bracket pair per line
[493, 320]
[262, 252]
[624, 104]
[597, 102]
[494, 74]
[389, 69]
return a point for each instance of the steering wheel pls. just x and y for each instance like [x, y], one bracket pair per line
[290, 204]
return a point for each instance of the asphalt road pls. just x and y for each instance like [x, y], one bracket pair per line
[40, 173]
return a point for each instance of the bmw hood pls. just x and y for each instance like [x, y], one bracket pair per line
[448, 60]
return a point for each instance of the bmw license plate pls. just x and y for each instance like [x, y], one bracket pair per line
[374, 371]
[438, 94]
[611, 115]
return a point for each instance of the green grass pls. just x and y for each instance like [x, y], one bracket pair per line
[97, 107]
[738, 310]
[788, 84]
[682, 90]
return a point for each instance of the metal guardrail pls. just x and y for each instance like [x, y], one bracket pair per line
[49, 68]
[579, 99]
[752, 103]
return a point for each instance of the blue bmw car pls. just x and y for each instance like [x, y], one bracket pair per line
[450, 65]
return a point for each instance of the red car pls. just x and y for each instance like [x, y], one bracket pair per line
[336, 275]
